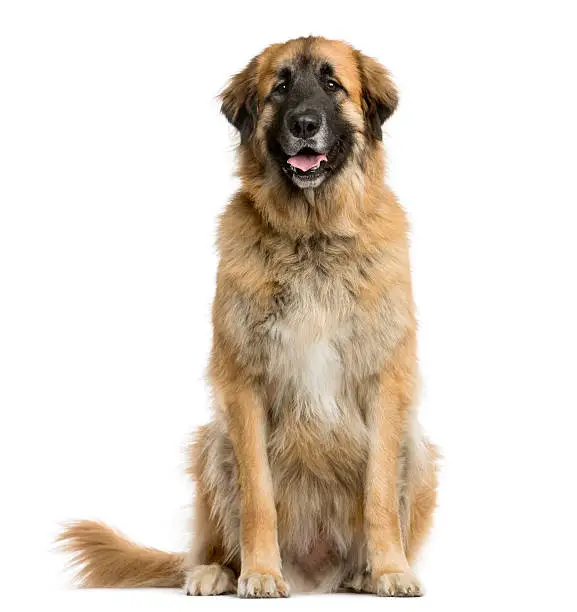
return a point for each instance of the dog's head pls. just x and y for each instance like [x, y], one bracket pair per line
[308, 107]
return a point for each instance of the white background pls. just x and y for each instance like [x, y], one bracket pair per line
[114, 164]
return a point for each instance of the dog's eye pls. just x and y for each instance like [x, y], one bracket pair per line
[281, 87]
[331, 85]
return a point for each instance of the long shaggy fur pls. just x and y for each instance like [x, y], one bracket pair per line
[314, 473]
[105, 558]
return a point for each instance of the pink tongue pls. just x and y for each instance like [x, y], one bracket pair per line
[306, 162]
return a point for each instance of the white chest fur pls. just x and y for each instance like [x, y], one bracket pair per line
[312, 374]
[305, 362]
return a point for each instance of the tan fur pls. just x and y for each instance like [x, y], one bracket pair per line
[105, 558]
[313, 473]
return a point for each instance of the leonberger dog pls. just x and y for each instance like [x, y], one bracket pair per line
[314, 474]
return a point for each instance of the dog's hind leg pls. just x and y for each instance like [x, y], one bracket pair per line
[206, 569]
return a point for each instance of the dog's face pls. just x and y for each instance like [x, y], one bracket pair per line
[308, 107]
[309, 137]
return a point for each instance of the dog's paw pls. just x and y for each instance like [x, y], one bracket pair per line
[254, 584]
[209, 580]
[400, 584]
[358, 582]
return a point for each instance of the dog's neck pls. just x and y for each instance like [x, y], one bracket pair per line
[338, 207]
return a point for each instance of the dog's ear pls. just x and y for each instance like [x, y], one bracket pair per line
[239, 101]
[380, 97]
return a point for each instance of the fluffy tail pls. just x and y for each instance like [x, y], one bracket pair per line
[105, 558]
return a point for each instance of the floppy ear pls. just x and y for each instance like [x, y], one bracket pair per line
[239, 101]
[380, 97]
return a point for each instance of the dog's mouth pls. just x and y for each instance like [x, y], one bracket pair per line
[306, 161]
[306, 165]
[310, 165]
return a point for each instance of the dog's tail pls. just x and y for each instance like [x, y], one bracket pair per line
[103, 557]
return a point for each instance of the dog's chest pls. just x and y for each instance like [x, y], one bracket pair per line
[309, 334]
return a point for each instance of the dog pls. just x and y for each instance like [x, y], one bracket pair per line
[314, 474]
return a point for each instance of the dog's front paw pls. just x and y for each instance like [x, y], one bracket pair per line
[255, 584]
[209, 580]
[396, 584]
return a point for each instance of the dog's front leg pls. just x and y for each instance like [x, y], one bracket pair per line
[389, 402]
[260, 558]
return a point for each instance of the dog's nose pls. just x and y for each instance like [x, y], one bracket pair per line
[305, 124]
